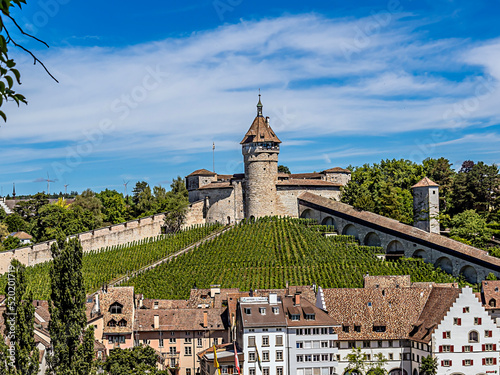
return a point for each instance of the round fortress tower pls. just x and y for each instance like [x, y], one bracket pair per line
[260, 148]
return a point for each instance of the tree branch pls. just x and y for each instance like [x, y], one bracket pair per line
[23, 32]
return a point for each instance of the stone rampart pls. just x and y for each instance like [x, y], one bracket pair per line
[118, 234]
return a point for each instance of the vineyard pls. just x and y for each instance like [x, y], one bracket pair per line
[106, 264]
[271, 252]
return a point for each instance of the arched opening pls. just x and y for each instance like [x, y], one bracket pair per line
[252, 219]
[116, 308]
[445, 264]
[352, 372]
[492, 303]
[350, 230]
[394, 250]
[228, 220]
[415, 371]
[328, 221]
[307, 214]
[473, 337]
[372, 239]
[469, 274]
[398, 371]
[420, 254]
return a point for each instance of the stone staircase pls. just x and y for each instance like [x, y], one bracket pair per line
[7, 210]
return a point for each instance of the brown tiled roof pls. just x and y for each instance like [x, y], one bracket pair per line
[382, 281]
[306, 182]
[491, 290]
[336, 170]
[311, 176]
[124, 295]
[321, 318]
[424, 182]
[395, 308]
[224, 177]
[391, 226]
[179, 320]
[202, 172]
[164, 303]
[216, 185]
[22, 235]
[256, 319]
[439, 302]
[260, 132]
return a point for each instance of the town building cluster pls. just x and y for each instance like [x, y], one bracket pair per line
[301, 330]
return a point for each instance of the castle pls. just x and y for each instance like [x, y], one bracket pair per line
[261, 190]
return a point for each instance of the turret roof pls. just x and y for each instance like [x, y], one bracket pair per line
[424, 182]
[260, 131]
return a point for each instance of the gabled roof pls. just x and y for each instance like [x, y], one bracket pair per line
[202, 172]
[424, 182]
[260, 131]
[21, 235]
[336, 170]
[491, 290]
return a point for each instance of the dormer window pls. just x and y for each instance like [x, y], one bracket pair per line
[295, 317]
[262, 310]
[116, 308]
[112, 323]
[378, 328]
[122, 323]
[492, 303]
[248, 310]
[276, 310]
[155, 305]
[310, 316]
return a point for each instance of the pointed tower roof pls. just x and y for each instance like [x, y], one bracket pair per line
[425, 182]
[260, 131]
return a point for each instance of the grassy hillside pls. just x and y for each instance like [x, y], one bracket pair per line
[102, 266]
[272, 251]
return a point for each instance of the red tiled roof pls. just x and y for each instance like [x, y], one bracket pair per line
[217, 185]
[336, 170]
[260, 131]
[202, 172]
[491, 291]
[424, 182]
[179, 320]
[306, 182]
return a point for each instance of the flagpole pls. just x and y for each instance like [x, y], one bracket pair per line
[213, 156]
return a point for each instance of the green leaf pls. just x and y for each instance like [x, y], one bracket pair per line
[10, 81]
[17, 74]
[3, 116]
[11, 63]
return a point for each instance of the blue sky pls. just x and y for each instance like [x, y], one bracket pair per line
[144, 90]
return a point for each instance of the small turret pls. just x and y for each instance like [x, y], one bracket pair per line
[426, 205]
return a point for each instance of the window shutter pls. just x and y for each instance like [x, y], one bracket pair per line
[440, 348]
[463, 349]
[451, 362]
[484, 361]
[463, 362]
[484, 347]
[464, 310]
[494, 347]
[459, 321]
[452, 349]
[479, 321]
[472, 362]
[444, 335]
[442, 363]
[490, 333]
[494, 361]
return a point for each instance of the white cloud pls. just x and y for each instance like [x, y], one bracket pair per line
[205, 87]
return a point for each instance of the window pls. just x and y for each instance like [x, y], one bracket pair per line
[492, 303]
[172, 340]
[489, 361]
[155, 305]
[279, 355]
[116, 308]
[308, 357]
[466, 309]
[172, 333]
[477, 321]
[122, 323]
[324, 344]
[160, 343]
[276, 310]
[279, 340]
[187, 350]
[467, 349]
[379, 344]
[262, 310]
[368, 357]
[467, 362]
[265, 340]
[248, 310]
[489, 347]
[391, 356]
[300, 332]
[390, 343]
[300, 344]
[251, 371]
[446, 334]
[265, 371]
[488, 333]
[446, 348]
[278, 329]
[357, 328]
[279, 370]
[251, 356]
[473, 336]
[316, 357]
[345, 329]
[251, 341]
[265, 356]
[295, 317]
[200, 342]
[366, 344]
[310, 316]
[173, 350]
[446, 363]
[187, 340]
[351, 344]
[188, 371]
[378, 328]
[265, 329]
[112, 323]
[300, 358]
[457, 321]
[324, 357]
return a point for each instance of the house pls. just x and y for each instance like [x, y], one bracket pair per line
[226, 359]
[24, 237]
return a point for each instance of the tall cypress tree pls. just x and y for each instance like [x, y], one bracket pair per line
[19, 318]
[72, 345]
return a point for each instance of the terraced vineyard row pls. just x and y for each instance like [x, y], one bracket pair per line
[104, 265]
[270, 252]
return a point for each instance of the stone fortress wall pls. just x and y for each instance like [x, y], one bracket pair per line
[118, 234]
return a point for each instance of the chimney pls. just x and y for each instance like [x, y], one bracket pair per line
[156, 322]
[267, 120]
[273, 299]
[296, 301]
[205, 319]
